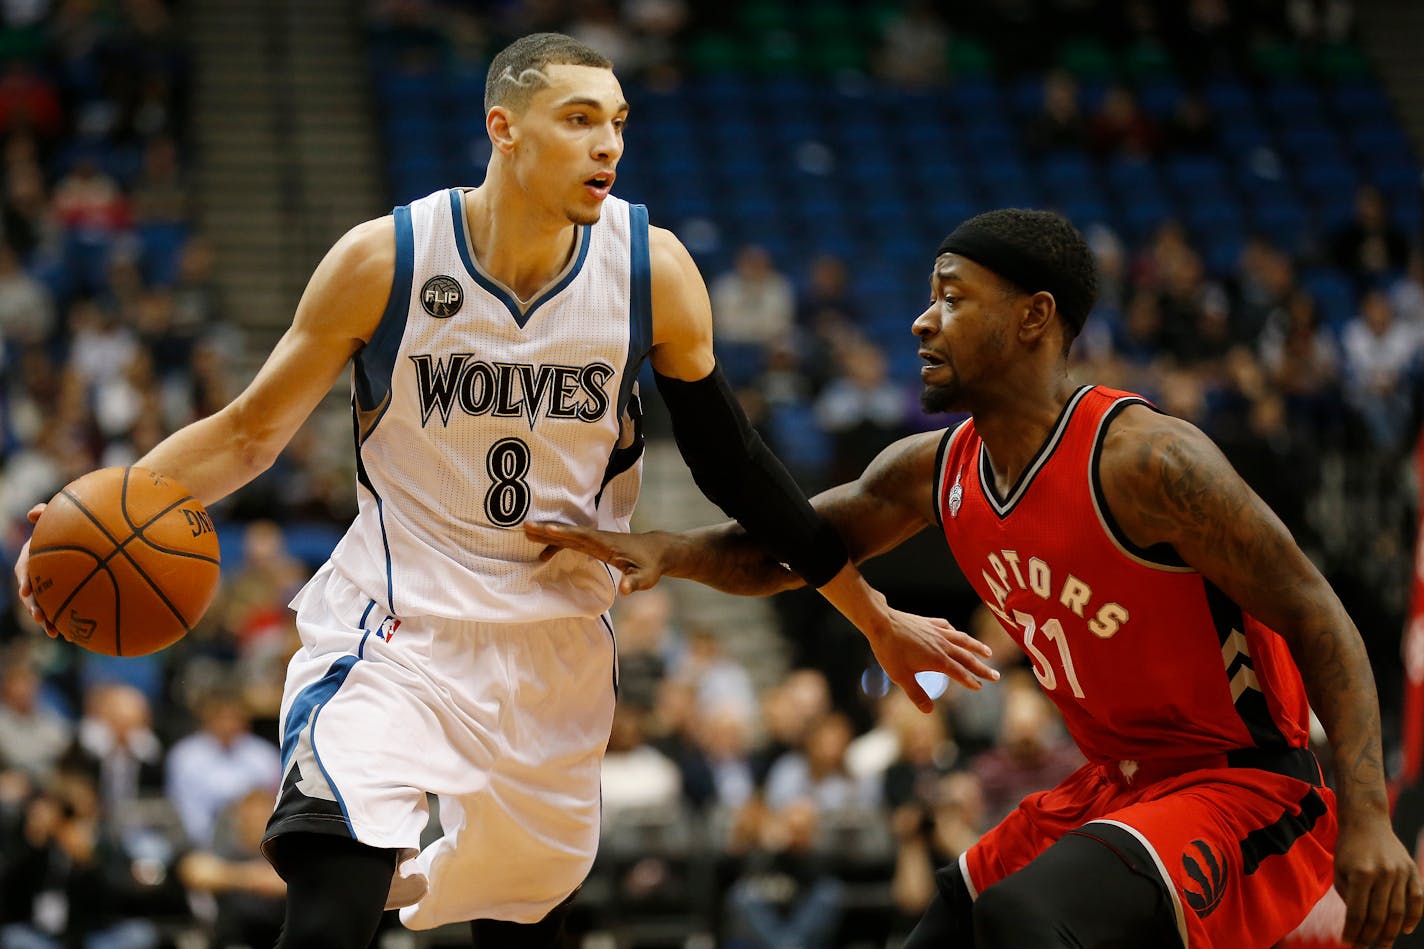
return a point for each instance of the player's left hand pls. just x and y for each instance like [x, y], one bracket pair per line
[1379, 882]
[639, 557]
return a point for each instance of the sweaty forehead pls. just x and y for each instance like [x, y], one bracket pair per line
[565, 81]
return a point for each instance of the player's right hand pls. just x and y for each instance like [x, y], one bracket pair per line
[22, 578]
[639, 557]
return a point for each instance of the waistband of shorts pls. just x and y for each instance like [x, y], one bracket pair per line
[1298, 763]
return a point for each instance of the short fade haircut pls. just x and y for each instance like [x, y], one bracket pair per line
[1048, 244]
[517, 71]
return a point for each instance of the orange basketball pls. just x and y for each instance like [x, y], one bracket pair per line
[124, 561]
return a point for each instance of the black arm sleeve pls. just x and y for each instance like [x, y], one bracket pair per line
[737, 472]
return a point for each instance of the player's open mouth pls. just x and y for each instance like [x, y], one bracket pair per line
[933, 363]
[600, 184]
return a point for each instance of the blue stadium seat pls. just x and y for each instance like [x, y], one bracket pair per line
[1334, 294]
[1359, 101]
[1285, 223]
[1142, 214]
[1159, 97]
[1291, 101]
[1229, 99]
[1193, 176]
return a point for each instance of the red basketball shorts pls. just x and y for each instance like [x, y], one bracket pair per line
[1243, 853]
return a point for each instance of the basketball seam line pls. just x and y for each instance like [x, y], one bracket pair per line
[139, 529]
[101, 564]
[119, 549]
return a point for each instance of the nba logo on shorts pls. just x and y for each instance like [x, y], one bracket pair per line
[388, 628]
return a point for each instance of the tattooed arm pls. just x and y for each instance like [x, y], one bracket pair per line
[1165, 482]
[889, 503]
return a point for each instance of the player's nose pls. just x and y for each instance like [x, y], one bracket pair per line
[927, 323]
[609, 147]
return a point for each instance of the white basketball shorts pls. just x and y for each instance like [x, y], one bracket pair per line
[506, 723]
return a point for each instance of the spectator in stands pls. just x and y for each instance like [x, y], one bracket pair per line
[248, 894]
[32, 736]
[648, 644]
[1321, 21]
[1407, 293]
[754, 304]
[1192, 127]
[914, 47]
[265, 582]
[717, 770]
[1302, 362]
[785, 897]
[29, 102]
[862, 407]
[1370, 247]
[930, 833]
[1195, 313]
[115, 742]
[636, 776]
[1032, 753]
[926, 754]
[102, 346]
[218, 764]
[790, 708]
[719, 679]
[64, 882]
[1122, 128]
[1261, 288]
[90, 202]
[826, 299]
[818, 772]
[1061, 124]
[26, 308]
[975, 716]
[1380, 352]
[1141, 338]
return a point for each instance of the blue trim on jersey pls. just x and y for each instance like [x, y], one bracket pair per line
[584, 237]
[308, 705]
[608, 624]
[375, 362]
[640, 296]
[364, 480]
[640, 341]
[386, 544]
[365, 633]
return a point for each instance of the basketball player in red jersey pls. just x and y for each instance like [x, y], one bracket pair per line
[1166, 610]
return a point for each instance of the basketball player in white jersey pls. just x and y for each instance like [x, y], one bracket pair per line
[495, 333]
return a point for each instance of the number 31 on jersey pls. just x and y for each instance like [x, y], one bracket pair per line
[1042, 668]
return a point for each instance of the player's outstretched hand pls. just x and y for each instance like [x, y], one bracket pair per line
[638, 556]
[1379, 882]
[22, 578]
[928, 644]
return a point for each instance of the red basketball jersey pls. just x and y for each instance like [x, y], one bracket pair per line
[1145, 658]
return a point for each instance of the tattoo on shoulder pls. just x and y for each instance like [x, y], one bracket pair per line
[1181, 487]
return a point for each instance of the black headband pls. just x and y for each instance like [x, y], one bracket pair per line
[1023, 265]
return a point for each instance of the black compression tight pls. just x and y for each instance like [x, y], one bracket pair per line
[336, 890]
[1080, 893]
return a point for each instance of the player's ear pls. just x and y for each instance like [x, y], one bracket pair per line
[1037, 316]
[499, 123]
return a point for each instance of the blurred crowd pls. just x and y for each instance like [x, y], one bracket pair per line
[133, 792]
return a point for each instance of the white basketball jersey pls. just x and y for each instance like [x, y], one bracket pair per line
[475, 411]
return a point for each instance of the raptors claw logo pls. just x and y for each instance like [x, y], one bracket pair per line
[1208, 879]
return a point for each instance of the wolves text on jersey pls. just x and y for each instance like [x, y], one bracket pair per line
[1007, 571]
[510, 389]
